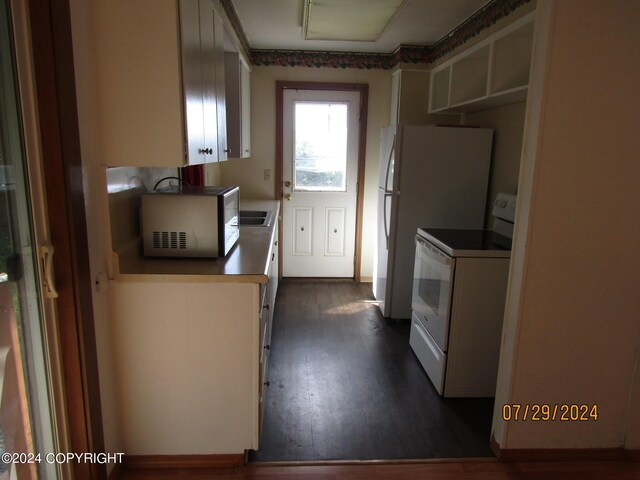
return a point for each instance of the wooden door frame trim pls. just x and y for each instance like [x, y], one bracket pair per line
[52, 48]
[363, 89]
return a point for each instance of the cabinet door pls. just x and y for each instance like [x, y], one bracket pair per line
[139, 90]
[193, 81]
[237, 93]
[208, 70]
[245, 113]
[232, 90]
[221, 124]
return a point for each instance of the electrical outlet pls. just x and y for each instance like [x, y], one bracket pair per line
[267, 174]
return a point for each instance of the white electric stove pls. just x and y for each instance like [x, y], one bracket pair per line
[459, 289]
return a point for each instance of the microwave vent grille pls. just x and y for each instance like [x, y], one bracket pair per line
[170, 240]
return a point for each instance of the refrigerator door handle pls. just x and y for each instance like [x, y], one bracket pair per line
[386, 175]
[387, 193]
[384, 219]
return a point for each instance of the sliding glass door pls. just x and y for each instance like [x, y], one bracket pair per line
[26, 419]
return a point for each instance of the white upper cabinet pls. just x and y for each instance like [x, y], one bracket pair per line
[159, 82]
[218, 30]
[237, 89]
[491, 73]
[198, 77]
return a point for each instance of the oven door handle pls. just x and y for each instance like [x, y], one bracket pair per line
[433, 252]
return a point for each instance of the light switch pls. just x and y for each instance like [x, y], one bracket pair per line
[267, 174]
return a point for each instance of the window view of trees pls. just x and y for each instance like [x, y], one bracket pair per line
[320, 160]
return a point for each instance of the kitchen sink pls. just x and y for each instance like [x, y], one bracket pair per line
[255, 218]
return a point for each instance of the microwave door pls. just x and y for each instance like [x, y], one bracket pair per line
[230, 219]
[432, 290]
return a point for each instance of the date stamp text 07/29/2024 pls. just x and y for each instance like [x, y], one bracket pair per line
[545, 412]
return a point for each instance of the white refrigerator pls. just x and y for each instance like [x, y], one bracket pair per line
[430, 176]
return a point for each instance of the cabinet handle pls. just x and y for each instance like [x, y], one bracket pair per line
[273, 255]
[206, 151]
[267, 347]
[266, 307]
[267, 383]
[227, 150]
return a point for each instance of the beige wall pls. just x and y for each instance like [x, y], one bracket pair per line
[249, 173]
[508, 125]
[572, 328]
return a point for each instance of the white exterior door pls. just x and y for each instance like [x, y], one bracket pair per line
[320, 167]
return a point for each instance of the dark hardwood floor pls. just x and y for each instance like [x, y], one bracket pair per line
[345, 385]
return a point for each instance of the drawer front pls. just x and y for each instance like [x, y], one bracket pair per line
[432, 359]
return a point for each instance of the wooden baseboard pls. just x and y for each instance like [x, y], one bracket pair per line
[562, 454]
[184, 461]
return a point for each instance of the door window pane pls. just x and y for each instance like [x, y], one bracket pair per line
[320, 157]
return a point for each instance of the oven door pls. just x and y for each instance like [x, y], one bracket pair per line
[432, 288]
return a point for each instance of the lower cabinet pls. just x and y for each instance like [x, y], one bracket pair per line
[266, 326]
[188, 365]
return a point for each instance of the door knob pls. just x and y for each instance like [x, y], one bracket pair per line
[287, 184]
[288, 196]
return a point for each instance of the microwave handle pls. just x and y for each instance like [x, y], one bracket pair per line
[433, 252]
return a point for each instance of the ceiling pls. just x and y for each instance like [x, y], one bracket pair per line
[277, 24]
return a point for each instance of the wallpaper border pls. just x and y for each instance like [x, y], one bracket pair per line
[408, 54]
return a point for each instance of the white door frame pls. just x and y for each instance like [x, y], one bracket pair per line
[363, 89]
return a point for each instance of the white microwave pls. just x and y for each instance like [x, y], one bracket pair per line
[186, 221]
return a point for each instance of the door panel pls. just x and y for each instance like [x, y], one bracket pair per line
[335, 230]
[320, 165]
[303, 228]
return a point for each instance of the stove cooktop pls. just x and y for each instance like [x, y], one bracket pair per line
[468, 243]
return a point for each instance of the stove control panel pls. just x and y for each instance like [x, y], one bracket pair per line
[504, 207]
